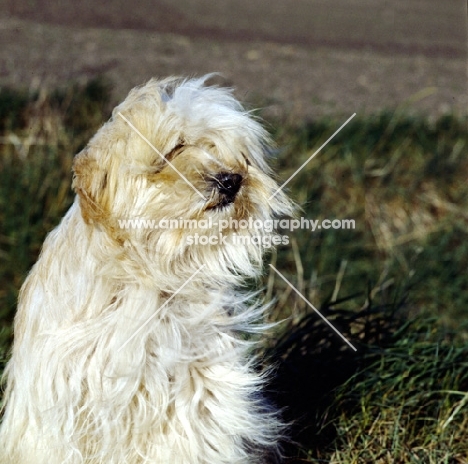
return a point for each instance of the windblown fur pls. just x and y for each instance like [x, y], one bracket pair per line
[81, 386]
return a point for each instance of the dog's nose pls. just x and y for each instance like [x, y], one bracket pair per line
[228, 185]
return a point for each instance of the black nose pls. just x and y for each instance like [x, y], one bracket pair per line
[228, 185]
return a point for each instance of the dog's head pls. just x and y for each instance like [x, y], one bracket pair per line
[178, 178]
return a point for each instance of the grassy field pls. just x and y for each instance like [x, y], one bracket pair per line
[395, 286]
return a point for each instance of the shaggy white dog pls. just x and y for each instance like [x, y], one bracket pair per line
[128, 339]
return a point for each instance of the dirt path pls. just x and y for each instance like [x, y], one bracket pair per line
[297, 58]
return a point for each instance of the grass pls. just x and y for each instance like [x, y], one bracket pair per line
[395, 285]
[409, 405]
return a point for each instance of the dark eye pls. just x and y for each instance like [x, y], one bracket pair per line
[246, 159]
[175, 151]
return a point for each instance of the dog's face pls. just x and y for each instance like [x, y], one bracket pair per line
[190, 162]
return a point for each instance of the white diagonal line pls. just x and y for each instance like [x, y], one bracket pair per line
[303, 164]
[312, 306]
[160, 154]
[161, 307]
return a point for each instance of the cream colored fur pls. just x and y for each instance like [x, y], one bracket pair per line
[81, 388]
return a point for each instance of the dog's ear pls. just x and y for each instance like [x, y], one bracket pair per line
[90, 183]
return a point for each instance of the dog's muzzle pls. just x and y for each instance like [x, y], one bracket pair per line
[228, 185]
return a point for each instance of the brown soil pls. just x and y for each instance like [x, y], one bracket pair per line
[297, 58]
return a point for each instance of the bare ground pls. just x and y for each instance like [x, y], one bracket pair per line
[297, 58]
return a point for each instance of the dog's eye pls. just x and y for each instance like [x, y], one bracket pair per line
[158, 164]
[174, 152]
[246, 159]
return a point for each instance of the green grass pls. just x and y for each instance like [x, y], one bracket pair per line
[403, 180]
[409, 405]
[395, 286]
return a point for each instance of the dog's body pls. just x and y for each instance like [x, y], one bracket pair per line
[126, 340]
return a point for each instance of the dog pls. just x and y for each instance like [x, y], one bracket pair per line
[130, 342]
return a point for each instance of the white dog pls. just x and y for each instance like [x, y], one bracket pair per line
[129, 344]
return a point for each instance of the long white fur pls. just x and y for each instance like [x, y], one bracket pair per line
[81, 388]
